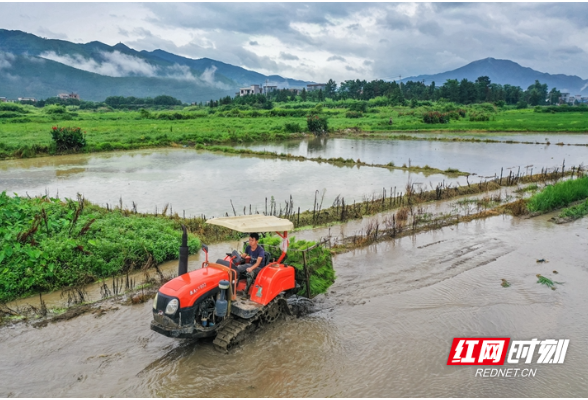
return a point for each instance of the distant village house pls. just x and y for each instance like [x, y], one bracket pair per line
[27, 99]
[256, 89]
[65, 96]
[316, 86]
[2, 99]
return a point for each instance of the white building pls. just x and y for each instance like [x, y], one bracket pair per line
[27, 99]
[316, 86]
[65, 96]
[253, 89]
[269, 88]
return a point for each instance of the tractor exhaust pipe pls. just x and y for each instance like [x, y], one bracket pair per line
[183, 266]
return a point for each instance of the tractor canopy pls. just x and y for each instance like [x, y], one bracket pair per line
[253, 223]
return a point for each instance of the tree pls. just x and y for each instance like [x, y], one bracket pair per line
[554, 96]
[483, 86]
[330, 89]
[450, 90]
[320, 96]
[536, 93]
[467, 92]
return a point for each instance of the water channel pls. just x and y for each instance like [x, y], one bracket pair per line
[384, 329]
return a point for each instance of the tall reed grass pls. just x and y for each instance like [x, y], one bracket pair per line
[559, 195]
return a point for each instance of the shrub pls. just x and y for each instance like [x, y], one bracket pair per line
[435, 117]
[521, 104]
[12, 107]
[292, 127]
[55, 109]
[68, 138]
[316, 124]
[479, 117]
[353, 114]
[359, 106]
[9, 114]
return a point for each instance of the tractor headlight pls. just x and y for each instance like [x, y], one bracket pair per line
[155, 301]
[172, 307]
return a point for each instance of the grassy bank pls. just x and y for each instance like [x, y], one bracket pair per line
[27, 133]
[46, 244]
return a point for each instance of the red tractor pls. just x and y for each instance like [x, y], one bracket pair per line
[204, 302]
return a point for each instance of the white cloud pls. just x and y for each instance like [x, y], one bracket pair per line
[6, 60]
[114, 64]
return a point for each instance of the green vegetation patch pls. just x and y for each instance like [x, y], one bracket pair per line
[575, 212]
[559, 195]
[318, 261]
[46, 244]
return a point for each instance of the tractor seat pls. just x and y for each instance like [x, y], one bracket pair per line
[223, 262]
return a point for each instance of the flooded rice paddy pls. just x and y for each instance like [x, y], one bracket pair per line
[384, 329]
[198, 182]
[480, 158]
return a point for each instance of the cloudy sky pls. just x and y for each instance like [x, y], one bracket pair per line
[318, 41]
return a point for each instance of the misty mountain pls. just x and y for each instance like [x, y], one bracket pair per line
[507, 72]
[31, 66]
[242, 76]
[28, 76]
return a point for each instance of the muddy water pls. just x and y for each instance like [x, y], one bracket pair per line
[198, 182]
[480, 158]
[384, 329]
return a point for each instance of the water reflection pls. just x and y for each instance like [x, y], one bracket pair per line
[484, 159]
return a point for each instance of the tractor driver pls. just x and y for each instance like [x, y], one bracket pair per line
[257, 255]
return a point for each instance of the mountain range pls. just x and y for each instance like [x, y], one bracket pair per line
[507, 72]
[31, 66]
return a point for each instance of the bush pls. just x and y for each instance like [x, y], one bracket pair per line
[359, 106]
[9, 114]
[55, 109]
[12, 107]
[479, 117]
[435, 117]
[316, 124]
[521, 104]
[292, 127]
[353, 114]
[68, 138]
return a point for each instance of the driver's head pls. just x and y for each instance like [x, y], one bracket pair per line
[253, 238]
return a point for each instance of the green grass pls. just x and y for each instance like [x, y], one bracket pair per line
[575, 212]
[46, 244]
[27, 132]
[559, 195]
